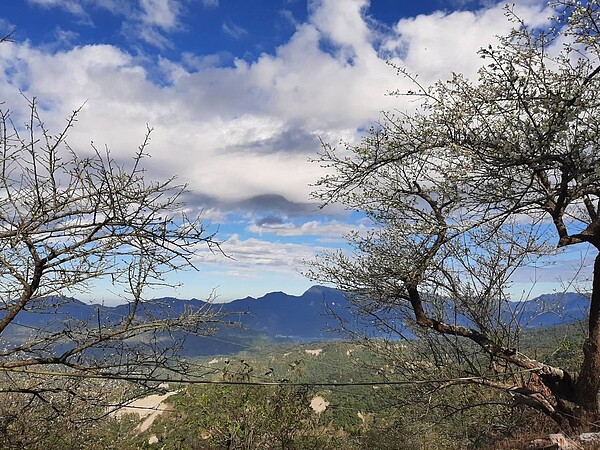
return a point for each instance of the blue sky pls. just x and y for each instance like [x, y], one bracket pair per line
[239, 93]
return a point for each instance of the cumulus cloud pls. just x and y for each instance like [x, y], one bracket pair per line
[256, 254]
[242, 134]
[433, 45]
[344, 25]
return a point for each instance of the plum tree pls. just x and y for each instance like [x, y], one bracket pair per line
[485, 177]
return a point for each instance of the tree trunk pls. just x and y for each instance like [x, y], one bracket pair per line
[588, 382]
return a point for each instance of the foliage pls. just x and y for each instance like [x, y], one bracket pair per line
[239, 417]
[358, 417]
[56, 418]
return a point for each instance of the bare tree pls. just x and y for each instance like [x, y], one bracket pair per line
[487, 177]
[67, 221]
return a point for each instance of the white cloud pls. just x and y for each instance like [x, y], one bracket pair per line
[436, 44]
[237, 132]
[312, 228]
[233, 30]
[245, 130]
[149, 35]
[258, 255]
[343, 24]
[210, 3]
[72, 6]
[161, 13]
[144, 20]
[65, 37]
[203, 62]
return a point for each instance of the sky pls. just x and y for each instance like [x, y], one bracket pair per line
[240, 94]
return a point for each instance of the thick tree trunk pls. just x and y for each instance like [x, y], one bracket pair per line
[573, 402]
[577, 407]
[588, 382]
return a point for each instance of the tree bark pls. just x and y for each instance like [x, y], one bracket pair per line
[588, 382]
[575, 405]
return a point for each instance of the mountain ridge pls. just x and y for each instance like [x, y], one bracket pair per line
[278, 316]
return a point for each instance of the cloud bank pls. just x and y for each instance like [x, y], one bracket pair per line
[240, 132]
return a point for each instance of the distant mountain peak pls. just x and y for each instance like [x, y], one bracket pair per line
[319, 289]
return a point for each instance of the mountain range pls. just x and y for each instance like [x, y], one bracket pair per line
[312, 316]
